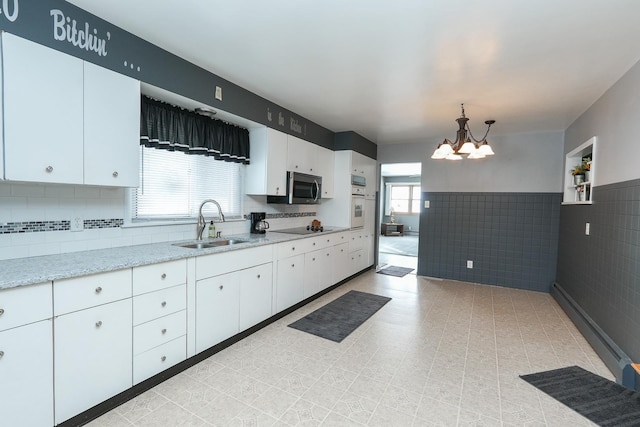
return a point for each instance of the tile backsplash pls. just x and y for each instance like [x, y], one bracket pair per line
[35, 219]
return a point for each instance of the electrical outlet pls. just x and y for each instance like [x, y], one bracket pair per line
[469, 264]
[426, 204]
[218, 93]
[587, 228]
[77, 223]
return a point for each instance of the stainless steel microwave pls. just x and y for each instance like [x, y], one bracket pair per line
[302, 189]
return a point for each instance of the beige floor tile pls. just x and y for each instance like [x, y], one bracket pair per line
[439, 353]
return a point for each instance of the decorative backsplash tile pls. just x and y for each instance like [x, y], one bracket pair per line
[62, 225]
[275, 215]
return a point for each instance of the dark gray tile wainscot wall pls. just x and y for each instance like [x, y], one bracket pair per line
[512, 238]
[601, 272]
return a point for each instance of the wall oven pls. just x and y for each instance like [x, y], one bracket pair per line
[358, 184]
[302, 189]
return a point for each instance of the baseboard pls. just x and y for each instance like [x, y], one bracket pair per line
[614, 358]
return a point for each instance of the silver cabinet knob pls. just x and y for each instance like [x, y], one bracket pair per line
[163, 276]
[221, 287]
[293, 248]
[98, 290]
[314, 243]
[258, 276]
[164, 331]
[163, 358]
[1, 354]
[293, 265]
[115, 174]
[327, 253]
[49, 169]
[98, 323]
[163, 303]
[1, 311]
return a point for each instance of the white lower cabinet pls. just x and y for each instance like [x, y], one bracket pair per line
[26, 375]
[217, 308]
[342, 263]
[290, 279]
[256, 293]
[318, 267]
[92, 357]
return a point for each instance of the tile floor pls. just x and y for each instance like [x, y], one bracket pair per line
[441, 353]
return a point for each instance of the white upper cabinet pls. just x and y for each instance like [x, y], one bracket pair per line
[325, 159]
[65, 120]
[267, 172]
[300, 156]
[43, 111]
[111, 128]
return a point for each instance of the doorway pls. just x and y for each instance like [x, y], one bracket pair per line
[399, 214]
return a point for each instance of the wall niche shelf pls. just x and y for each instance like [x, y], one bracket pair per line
[580, 193]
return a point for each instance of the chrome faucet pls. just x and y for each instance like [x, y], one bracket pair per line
[201, 222]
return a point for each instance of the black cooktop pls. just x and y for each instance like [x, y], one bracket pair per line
[301, 230]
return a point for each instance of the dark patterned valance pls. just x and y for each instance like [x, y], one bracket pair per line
[173, 128]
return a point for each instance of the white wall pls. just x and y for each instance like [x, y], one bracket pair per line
[614, 119]
[20, 202]
[522, 163]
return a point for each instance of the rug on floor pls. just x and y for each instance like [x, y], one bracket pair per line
[602, 401]
[337, 319]
[395, 271]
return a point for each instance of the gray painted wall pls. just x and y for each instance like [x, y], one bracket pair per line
[523, 163]
[601, 272]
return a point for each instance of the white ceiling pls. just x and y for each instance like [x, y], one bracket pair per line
[397, 71]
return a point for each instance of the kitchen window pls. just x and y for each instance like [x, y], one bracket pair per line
[404, 199]
[173, 184]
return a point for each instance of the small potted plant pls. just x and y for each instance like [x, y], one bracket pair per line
[586, 166]
[578, 174]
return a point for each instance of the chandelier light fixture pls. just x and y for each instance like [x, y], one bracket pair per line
[465, 144]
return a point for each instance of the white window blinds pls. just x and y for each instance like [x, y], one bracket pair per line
[174, 184]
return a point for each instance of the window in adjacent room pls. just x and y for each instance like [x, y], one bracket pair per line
[405, 199]
[174, 184]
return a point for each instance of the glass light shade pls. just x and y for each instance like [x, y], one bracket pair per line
[476, 155]
[486, 149]
[445, 147]
[454, 157]
[438, 154]
[467, 148]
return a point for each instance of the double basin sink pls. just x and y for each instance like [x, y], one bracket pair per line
[210, 243]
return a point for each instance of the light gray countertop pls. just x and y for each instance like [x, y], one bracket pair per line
[32, 270]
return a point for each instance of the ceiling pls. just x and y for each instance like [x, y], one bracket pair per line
[397, 72]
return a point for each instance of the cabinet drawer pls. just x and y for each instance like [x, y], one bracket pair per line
[150, 278]
[226, 262]
[319, 242]
[356, 241]
[89, 291]
[156, 360]
[160, 303]
[293, 247]
[159, 331]
[25, 304]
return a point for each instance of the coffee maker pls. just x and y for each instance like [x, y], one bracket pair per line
[258, 224]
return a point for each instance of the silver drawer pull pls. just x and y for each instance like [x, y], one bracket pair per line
[313, 259]
[164, 276]
[293, 265]
[98, 323]
[314, 243]
[49, 169]
[258, 276]
[115, 174]
[98, 290]
[1, 311]
[221, 287]
[1, 354]
[163, 303]
[163, 358]
[327, 254]
[164, 331]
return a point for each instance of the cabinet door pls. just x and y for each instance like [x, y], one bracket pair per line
[256, 292]
[26, 370]
[111, 128]
[290, 279]
[43, 128]
[217, 309]
[342, 262]
[325, 160]
[276, 170]
[312, 272]
[93, 357]
[300, 156]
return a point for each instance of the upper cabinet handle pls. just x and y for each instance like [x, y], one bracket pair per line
[163, 276]
[115, 174]
[98, 290]
[1, 311]
[49, 169]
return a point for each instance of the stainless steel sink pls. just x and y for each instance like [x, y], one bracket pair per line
[210, 243]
